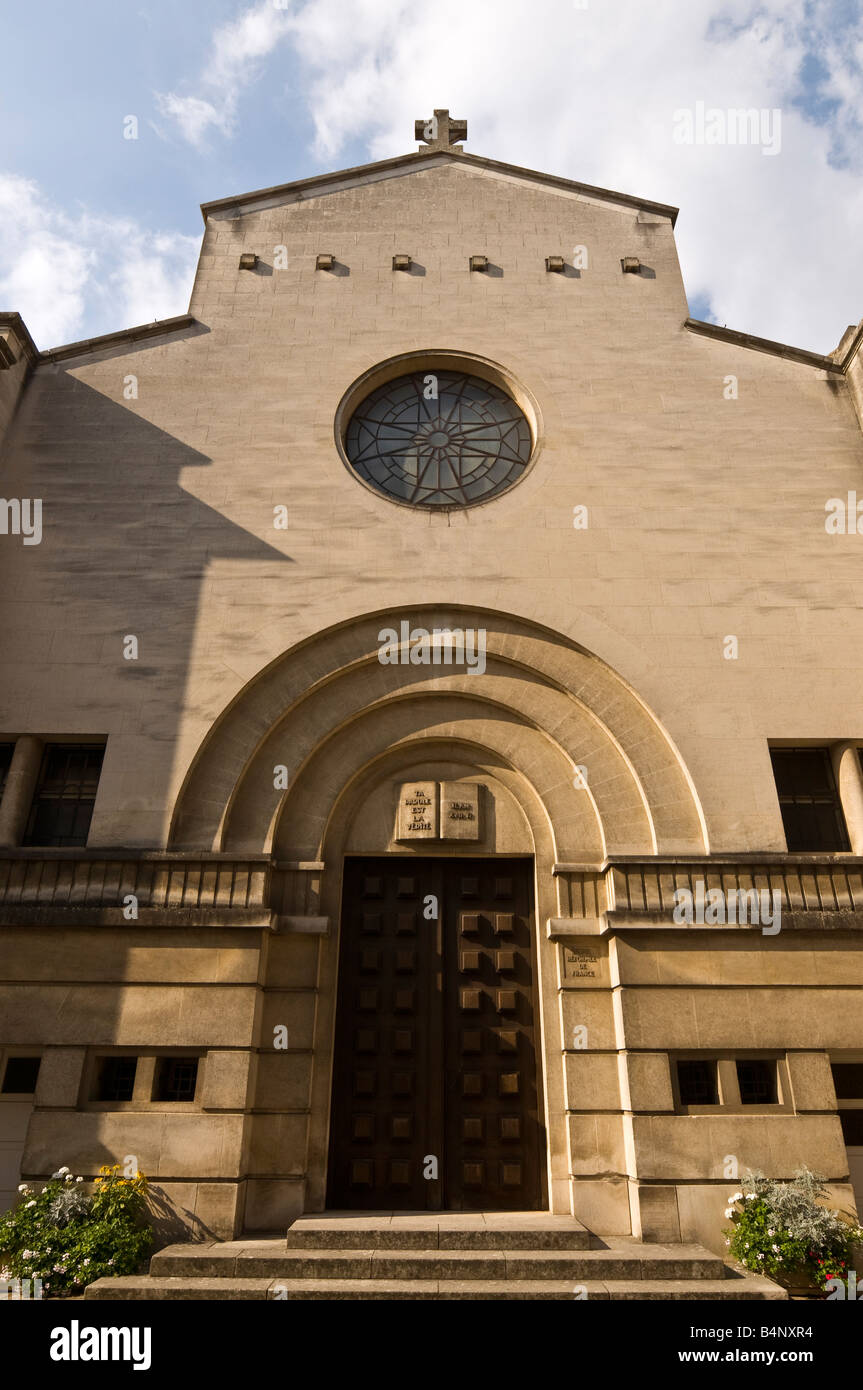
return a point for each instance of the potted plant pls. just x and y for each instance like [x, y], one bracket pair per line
[780, 1229]
[66, 1237]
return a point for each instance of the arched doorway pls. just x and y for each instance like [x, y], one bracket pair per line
[575, 769]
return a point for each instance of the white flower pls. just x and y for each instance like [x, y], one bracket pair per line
[68, 1177]
[30, 1204]
[775, 1249]
[751, 1197]
[22, 1187]
[736, 1197]
[79, 1179]
[27, 1254]
[727, 1241]
[771, 1231]
[62, 1170]
[729, 1212]
[87, 1261]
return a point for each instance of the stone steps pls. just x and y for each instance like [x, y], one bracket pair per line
[146, 1288]
[450, 1256]
[454, 1231]
[670, 1263]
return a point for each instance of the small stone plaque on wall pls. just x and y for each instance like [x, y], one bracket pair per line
[459, 811]
[418, 811]
[579, 964]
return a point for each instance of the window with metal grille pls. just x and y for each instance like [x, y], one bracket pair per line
[20, 1076]
[852, 1127]
[176, 1079]
[696, 1083]
[756, 1081]
[115, 1078]
[65, 795]
[848, 1080]
[6, 751]
[809, 800]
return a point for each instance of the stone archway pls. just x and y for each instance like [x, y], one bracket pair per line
[328, 707]
[346, 727]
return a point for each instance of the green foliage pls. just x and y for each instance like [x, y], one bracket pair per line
[68, 1238]
[781, 1229]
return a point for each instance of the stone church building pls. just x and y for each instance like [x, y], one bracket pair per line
[430, 722]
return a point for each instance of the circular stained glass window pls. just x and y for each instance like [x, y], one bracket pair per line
[439, 439]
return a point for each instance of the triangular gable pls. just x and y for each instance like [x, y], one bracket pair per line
[323, 184]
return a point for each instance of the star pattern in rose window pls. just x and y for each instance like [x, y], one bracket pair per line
[439, 439]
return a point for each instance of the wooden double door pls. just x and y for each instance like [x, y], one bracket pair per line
[435, 1099]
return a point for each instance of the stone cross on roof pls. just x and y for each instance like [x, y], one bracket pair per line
[440, 133]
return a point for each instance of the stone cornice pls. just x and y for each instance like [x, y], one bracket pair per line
[749, 340]
[815, 892]
[13, 326]
[416, 161]
[122, 338]
[68, 887]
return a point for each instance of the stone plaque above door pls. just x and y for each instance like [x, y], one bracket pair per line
[459, 811]
[438, 811]
[418, 811]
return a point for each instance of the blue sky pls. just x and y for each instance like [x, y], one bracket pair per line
[98, 232]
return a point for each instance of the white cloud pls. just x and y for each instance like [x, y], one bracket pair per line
[236, 49]
[60, 270]
[193, 115]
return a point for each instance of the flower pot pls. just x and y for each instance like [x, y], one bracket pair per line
[798, 1283]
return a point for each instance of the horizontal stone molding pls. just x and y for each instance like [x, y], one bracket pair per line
[50, 887]
[816, 892]
[178, 887]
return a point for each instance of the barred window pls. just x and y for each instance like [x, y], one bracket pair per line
[6, 751]
[20, 1076]
[115, 1078]
[696, 1082]
[756, 1081]
[65, 795]
[809, 800]
[176, 1079]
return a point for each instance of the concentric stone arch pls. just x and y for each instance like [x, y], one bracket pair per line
[328, 707]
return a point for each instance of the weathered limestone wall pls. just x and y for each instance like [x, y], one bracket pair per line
[706, 514]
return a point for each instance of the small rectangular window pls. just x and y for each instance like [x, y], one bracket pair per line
[6, 751]
[115, 1078]
[176, 1079]
[757, 1082]
[65, 795]
[809, 800]
[852, 1127]
[20, 1076]
[848, 1080]
[696, 1082]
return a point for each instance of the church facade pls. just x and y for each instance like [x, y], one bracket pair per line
[430, 722]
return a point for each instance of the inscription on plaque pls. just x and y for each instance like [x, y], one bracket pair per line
[418, 811]
[579, 965]
[459, 811]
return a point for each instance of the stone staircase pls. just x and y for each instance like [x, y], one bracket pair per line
[452, 1256]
